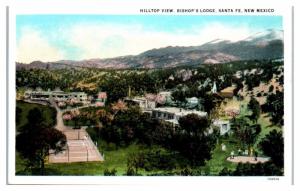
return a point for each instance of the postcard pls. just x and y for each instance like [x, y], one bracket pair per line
[150, 94]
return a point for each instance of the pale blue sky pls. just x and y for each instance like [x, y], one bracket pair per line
[99, 36]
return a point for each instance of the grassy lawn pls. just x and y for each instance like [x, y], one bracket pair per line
[218, 160]
[266, 128]
[113, 159]
[48, 112]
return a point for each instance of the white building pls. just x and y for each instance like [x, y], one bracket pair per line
[172, 114]
[223, 125]
[56, 96]
[142, 102]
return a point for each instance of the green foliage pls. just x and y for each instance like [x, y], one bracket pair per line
[111, 172]
[122, 130]
[187, 143]
[245, 132]
[192, 139]
[186, 172]
[117, 82]
[247, 169]
[274, 105]
[48, 114]
[179, 96]
[209, 103]
[225, 172]
[252, 81]
[161, 159]
[134, 162]
[114, 159]
[35, 139]
[254, 107]
[192, 124]
[272, 146]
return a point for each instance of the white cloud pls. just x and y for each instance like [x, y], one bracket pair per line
[33, 46]
[227, 32]
[112, 40]
[104, 41]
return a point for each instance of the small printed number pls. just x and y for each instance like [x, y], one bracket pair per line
[273, 178]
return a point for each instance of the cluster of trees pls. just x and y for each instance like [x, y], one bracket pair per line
[181, 94]
[245, 132]
[190, 139]
[48, 113]
[116, 83]
[273, 146]
[275, 107]
[35, 139]
[50, 79]
[254, 107]
[159, 160]
[245, 128]
[247, 169]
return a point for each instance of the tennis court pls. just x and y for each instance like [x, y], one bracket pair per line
[79, 148]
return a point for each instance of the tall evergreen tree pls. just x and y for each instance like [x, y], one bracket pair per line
[254, 106]
[35, 139]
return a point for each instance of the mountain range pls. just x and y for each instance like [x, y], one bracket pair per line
[263, 45]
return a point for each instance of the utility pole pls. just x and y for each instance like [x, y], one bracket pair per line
[68, 152]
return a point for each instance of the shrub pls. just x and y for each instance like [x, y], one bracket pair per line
[111, 172]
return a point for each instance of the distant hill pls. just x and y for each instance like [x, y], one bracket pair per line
[264, 45]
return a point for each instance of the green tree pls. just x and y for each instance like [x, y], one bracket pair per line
[259, 169]
[193, 124]
[272, 146]
[245, 132]
[179, 96]
[35, 139]
[192, 139]
[274, 105]
[128, 121]
[208, 103]
[254, 106]
[111, 172]
[134, 162]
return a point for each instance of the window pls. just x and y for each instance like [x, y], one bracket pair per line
[159, 114]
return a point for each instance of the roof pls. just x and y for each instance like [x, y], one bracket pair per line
[228, 89]
[165, 93]
[219, 122]
[55, 93]
[179, 111]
